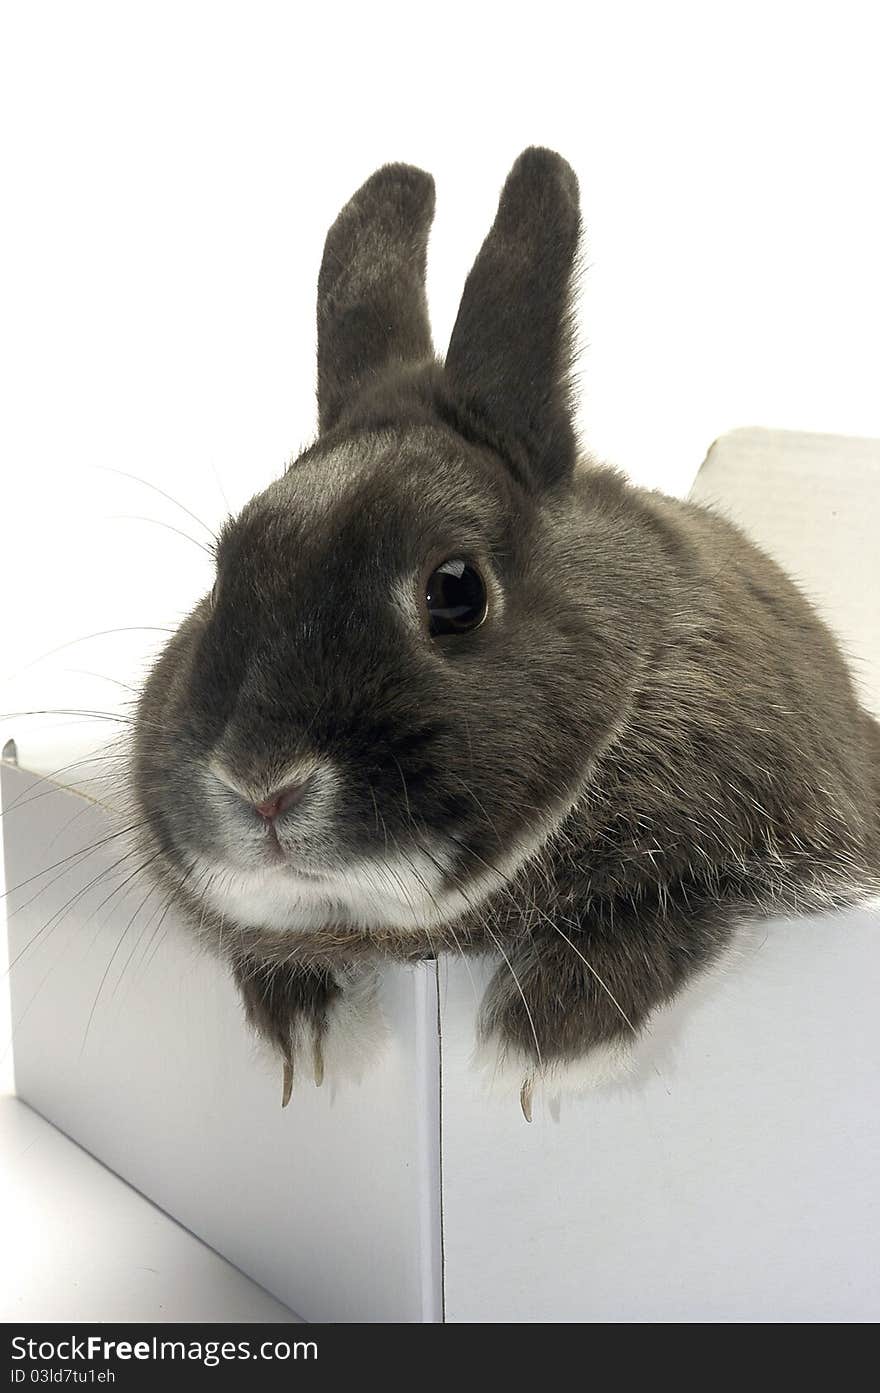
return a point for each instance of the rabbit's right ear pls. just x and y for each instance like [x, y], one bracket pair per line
[510, 355]
[372, 310]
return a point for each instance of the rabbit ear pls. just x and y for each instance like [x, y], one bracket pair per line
[372, 311]
[510, 355]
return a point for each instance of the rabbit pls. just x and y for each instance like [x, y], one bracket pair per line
[459, 688]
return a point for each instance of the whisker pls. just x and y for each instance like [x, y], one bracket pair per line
[155, 939]
[20, 801]
[138, 940]
[554, 925]
[123, 473]
[58, 919]
[78, 894]
[114, 716]
[169, 527]
[102, 677]
[498, 944]
[222, 490]
[81, 852]
[595, 974]
[120, 941]
[100, 633]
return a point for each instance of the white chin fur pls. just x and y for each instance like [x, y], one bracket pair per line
[398, 893]
[508, 1072]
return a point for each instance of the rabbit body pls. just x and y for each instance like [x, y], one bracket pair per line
[458, 688]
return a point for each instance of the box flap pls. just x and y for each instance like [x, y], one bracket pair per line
[813, 503]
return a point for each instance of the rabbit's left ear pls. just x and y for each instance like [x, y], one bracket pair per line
[372, 310]
[510, 355]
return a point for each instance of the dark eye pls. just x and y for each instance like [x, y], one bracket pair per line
[456, 598]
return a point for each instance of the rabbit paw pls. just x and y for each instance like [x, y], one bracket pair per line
[321, 1024]
[513, 1072]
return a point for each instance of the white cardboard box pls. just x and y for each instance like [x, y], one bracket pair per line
[734, 1177]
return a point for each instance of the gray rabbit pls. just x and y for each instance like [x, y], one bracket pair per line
[456, 688]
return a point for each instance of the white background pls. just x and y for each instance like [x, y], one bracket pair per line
[168, 174]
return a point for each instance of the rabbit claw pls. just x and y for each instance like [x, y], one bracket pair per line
[286, 1082]
[525, 1097]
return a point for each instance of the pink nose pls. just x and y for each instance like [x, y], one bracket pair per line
[285, 798]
